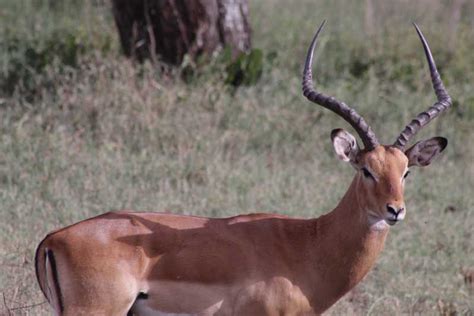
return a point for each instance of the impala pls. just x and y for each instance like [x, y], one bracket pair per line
[127, 263]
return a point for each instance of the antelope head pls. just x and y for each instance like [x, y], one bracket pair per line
[381, 169]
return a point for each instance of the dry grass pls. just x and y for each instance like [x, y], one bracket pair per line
[104, 134]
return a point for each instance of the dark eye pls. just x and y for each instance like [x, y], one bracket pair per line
[406, 174]
[367, 173]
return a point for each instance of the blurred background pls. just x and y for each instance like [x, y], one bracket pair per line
[85, 129]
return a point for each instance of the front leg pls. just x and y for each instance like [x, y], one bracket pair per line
[273, 297]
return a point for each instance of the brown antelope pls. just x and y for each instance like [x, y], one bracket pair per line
[126, 263]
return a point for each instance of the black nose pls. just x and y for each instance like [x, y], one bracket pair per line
[393, 210]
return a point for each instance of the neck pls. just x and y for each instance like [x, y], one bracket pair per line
[345, 249]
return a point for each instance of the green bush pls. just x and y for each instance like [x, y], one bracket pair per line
[26, 58]
[246, 69]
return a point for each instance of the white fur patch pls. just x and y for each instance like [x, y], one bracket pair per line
[141, 308]
[164, 296]
[377, 224]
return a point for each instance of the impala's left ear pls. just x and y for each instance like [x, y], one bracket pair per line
[422, 153]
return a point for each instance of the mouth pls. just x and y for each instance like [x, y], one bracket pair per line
[391, 222]
[379, 220]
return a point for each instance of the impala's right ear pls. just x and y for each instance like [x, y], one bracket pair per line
[345, 145]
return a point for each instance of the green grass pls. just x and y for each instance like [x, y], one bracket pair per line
[85, 131]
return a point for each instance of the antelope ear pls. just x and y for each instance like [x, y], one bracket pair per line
[422, 153]
[345, 145]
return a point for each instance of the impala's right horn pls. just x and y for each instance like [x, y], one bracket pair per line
[338, 107]
[443, 103]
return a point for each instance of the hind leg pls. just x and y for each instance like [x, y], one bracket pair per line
[89, 290]
[103, 299]
[98, 300]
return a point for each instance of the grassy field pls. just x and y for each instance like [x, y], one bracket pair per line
[83, 130]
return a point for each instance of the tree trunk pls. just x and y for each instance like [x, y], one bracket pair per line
[172, 28]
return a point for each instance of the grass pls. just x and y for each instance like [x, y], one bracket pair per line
[86, 131]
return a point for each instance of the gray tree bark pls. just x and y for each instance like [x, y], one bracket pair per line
[170, 29]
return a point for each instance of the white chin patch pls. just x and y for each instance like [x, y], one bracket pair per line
[378, 224]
